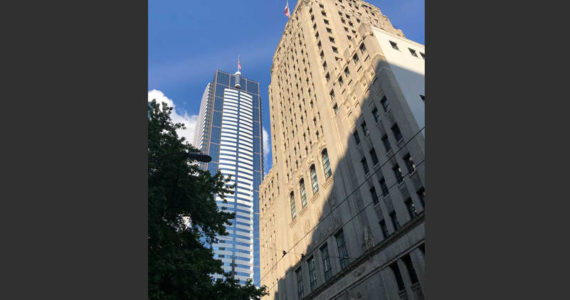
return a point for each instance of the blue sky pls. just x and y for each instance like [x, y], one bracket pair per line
[189, 40]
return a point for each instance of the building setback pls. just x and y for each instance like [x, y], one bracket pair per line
[229, 130]
[342, 208]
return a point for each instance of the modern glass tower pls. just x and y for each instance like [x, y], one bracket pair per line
[229, 130]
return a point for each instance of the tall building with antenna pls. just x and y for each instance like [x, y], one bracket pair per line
[342, 208]
[229, 130]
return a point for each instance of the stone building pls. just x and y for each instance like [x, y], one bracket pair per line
[342, 208]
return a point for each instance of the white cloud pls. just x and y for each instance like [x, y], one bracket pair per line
[266, 146]
[189, 121]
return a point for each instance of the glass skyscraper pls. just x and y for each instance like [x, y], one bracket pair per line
[229, 130]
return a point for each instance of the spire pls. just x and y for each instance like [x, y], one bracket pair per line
[238, 75]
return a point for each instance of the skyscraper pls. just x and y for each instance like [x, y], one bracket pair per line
[229, 130]
[342, 208]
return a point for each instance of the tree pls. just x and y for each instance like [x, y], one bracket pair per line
[180, 266]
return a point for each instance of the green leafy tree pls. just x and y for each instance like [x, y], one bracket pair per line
[180, 266]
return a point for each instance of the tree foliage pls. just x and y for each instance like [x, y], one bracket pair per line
[180, 266]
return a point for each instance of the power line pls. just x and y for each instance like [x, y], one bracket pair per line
[350, 194]
[354, 216]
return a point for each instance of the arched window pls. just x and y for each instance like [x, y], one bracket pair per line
[303, 192]
[326, 163]
[314, 179]
[292, 203]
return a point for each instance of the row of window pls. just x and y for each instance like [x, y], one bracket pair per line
[314, 181]
[326, 263]
[412, 51]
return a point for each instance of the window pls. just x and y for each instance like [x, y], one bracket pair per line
[423, 55]
[332, 94]
[376, 114]
[314, 179]
[355, 58]
[423, 97]
[397, 132]
[340, 80]
[326, 22]
[326, 261]
[299, 274]
[364, 128]
[364, 165]
[413, 52]
[394, 45]
[398, 173]
[356, 136]
[411, 208]
[346, 71]
[303, 192]
[335, 109]
[327, 77]
[398, 275]
[374, 196]
[385, 103]
[334, 49]
[386, 143]
[374, 157]
[292, 203]
[312, 273]
[330, 38]
[409, 163]
[410, 267]
[384, 187]
[422, 194]
[342, 252]
[362, 48]
[326, 163]
[384, 229]
[395, 222]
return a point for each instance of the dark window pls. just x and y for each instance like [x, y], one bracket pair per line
[374, 157]
[410, 267]
[303, 192]
[386, 143]
[299, 274]
[423, 55]
[362, 48]
[356, 136]
[334, 49]
[394, 45]
[422, 194]
[413, 52]
[355, 58]
[398, 276]
[394, 219]
[397, 132]
[326, 22]
[292, 203]
[376, 114]
[326, 163]
[410, 163]
[312, 273]
[374, 196]
[385, 103]
[346, 71]
[398, 173]
[335, 109]
[326, 261]
[327, 77]
[364, 128]
[384, 187]
[342, 252]
[340, 80]
[332, 95]
[384, 229]
[411, 208]
[364, 165]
